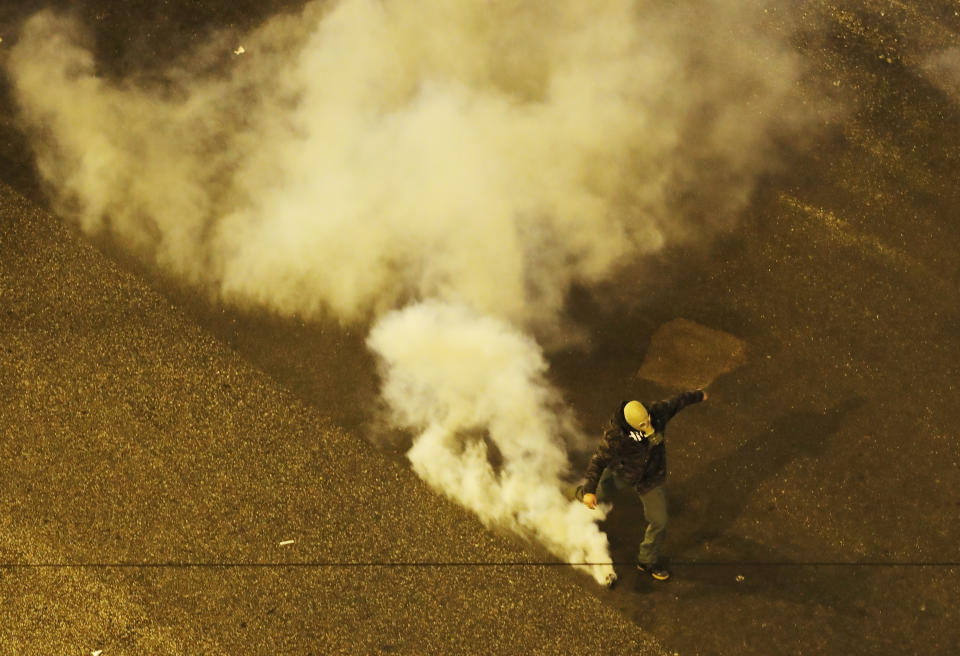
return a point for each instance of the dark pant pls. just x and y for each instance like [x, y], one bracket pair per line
[654, 508]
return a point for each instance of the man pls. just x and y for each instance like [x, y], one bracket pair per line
[632, 453]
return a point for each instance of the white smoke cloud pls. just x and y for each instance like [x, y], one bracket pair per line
[943, 70]
[455, 377]
[477, 158]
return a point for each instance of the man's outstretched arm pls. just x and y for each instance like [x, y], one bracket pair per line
[678, 403]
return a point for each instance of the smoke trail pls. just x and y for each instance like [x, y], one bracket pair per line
[943, 70]
[472, 159]
[455, 377]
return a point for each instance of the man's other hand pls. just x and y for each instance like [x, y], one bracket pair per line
[590, 501]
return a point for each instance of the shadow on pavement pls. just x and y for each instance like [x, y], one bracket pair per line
[713, 500]
[719, 494]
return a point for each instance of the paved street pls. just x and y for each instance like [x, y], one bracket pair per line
[164, 496]
[814, 496]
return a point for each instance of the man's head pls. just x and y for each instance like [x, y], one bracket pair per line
[638, 418]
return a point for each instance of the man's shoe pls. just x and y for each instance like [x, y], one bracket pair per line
[659, 572]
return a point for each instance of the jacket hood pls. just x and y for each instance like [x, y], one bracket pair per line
[619, 421]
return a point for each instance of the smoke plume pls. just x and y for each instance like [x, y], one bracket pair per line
[942, 69]
[452, 374]
[466, 161]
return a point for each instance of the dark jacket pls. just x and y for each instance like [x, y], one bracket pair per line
[640, 464]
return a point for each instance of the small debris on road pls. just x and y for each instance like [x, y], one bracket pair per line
[240, 50]
[286, 542]
[740, 578]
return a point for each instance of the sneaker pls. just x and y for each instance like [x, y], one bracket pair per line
[659, 572]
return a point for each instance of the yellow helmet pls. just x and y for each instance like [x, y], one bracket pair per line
[638, 417]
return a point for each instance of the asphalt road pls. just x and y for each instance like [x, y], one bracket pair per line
[162, 495]
[814, 496]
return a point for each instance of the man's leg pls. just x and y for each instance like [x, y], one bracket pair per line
[655, 509]
[609, 486]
